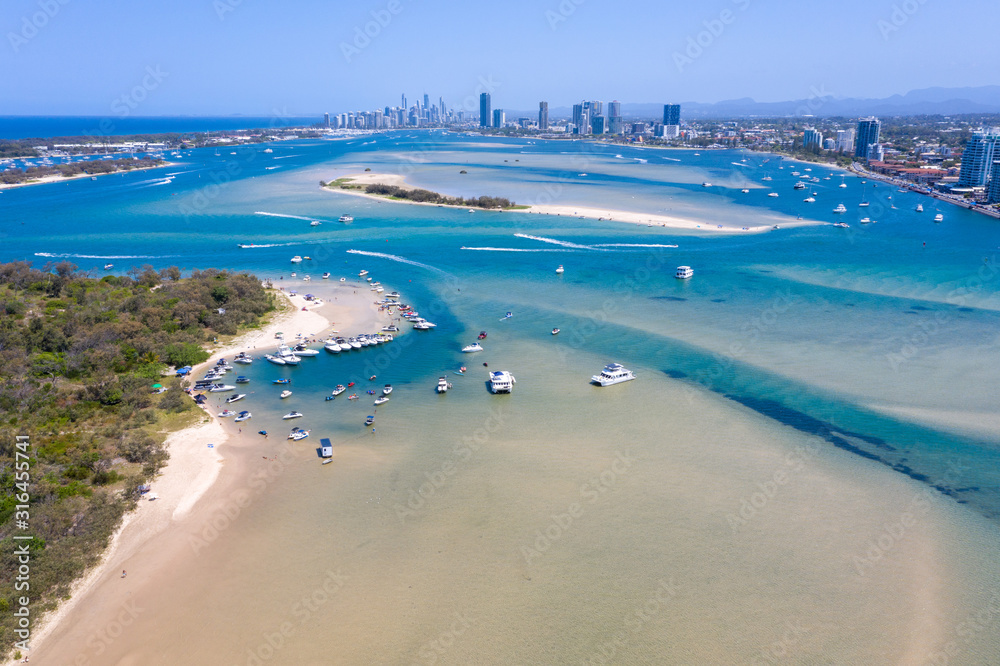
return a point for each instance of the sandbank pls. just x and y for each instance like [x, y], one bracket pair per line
[58, 178]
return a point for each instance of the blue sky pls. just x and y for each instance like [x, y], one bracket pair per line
[219, 57]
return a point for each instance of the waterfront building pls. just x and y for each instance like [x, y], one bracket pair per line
[671, 114]
[977, 160]
[812, 137]
[543, 116]
[499, 120]
[845, 140]
[867, 135]
[485, 116]
[993, 191]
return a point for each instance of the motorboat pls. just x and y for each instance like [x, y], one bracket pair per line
[220, 388]
[302, 350]
[391, 328]
[244, 358]
[306, 279]
[274, 359]
[234, 398]
[387, 389]
[745, 191]
[108, 267]
[393, 294]
[291, 415]
[555, 331]
[810, 199]
[242, 380]
[501, 381]
[560, 269]
[423, 325]
[283, 380]
[482, 335]
[294, 274]
[684, 272]
[381, 401]
[243, 416]
[343, 279]
[353, 396]
[370, 419]
[613, 373]
[226, 413]
[772, 194]
[285, 394]
[338, 389]
[799, 186]
[706, 184]
[474, 347]
[296, 259]
[939, 218]
[326, 276]
[296, 434]
[355, 343]
[346, 219]
[865, 220]
[840, 209]
[362, 273]
[842, 225]
[443, 385]
[919, 208]
[332, 347]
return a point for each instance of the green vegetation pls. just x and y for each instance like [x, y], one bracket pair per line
[78, 360]
[90, 167]
[425, 196]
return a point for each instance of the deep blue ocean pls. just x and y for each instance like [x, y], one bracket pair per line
[24, 127]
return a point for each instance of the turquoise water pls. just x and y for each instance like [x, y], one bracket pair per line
[817, 327]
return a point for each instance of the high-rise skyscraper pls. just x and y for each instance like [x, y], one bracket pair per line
[671, 114]
[977, 160]
[599, 124]
[993, 191]
[485, 117]
[867, 135]
[402, 99]
[326, 120]
[577, 114]
[543, 116]
[595, 108]
[427, 101]
[499, 119]
[812, 137]
[845, 140]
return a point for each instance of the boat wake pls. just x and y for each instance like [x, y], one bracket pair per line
[291, 217]
[57, 255]
[739, 164]
[285, 157]
[632, 245]
[543, 239]
[512, 249]
[672, 159]
[246, 246]
[402, 260]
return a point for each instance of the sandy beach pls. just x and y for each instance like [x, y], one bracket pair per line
[197, 453]
[57, 178]
[583, 212]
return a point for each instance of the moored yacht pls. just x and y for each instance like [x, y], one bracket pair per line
[684, 272]
[302, 350]
[501, 381]
[292, 415]
[346, 219]
[285, 394]
[560, 269]
[841, 208]
[443, 385]
[387, 389]
[474, 347]
[244, 358]
[919, 208]
[296, 259]
[613, 373]
[234, 398]
[939, 218]
[243, 416]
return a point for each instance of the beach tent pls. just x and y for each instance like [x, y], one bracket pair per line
[326, 447]
[156, 386]
[183, 371]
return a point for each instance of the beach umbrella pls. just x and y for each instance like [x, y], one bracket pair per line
[157, 386]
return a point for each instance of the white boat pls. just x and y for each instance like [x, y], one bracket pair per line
[684, 272]
[332, 347]
[613, 373]
[346, 219]
[297, 435]
[919, 208]
[842, 225]
[387, 389]
[243, 416]
[560, 269]
[865, 220]
[221, 388]
[244, 358]
[306, 278]
[393, 295]
[501, 381]
[799, 186]
[810, 199]
[234, 398]
[108, 267]
[706, 184]
[939, 218]
[285, 393]
[391, 328]
[745, 191]
[555, 331]
[315, 223]
[268, 150]
[840, 209]
[381, 401]
[842, 183]
[302, 350]
[362, 273]
[772, 194]
[326, 276]
[474, 347]
[443, 385]
[225, 413]
[338, 389]
[292, 415]
[293, 273]
[296, 259]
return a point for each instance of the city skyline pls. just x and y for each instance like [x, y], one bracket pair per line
[195, 58]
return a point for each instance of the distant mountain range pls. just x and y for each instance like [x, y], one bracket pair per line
[944, 101]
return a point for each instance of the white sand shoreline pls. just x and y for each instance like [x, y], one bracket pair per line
[571, 210]
[193, 466]
[58, 178]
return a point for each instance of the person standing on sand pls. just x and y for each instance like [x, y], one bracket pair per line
[124, 573]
